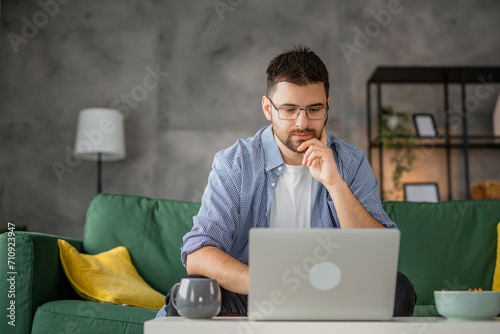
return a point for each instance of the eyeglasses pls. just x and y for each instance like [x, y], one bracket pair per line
[291, 113]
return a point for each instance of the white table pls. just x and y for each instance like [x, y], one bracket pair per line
[241, 325]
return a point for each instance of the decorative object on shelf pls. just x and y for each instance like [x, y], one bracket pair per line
[100, 136]
[421, 192]
[496, 118]
[425, 125]
[394, 135]
[453, 118]
[489, 189]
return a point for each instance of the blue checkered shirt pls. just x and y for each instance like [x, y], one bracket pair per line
[242, 183]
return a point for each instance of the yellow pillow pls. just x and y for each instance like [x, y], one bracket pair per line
[496, 274]
[108, 277]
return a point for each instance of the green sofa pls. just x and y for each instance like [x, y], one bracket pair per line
[449, 245]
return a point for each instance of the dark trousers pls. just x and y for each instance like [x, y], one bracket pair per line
[235, 304]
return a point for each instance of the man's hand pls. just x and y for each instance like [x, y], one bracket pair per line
[321, 162]
[319, 158]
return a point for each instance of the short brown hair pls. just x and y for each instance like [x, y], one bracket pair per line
[300, 66]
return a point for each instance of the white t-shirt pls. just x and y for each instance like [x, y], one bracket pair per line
[292, 200]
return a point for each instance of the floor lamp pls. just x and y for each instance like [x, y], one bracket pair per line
[100, 136]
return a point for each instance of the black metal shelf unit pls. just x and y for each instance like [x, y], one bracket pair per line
[443, 75]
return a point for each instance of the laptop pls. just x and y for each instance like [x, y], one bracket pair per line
[322, 274]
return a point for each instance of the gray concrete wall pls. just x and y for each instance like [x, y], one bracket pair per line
[81, 54]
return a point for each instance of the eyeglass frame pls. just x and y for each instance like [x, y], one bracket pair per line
[327, 107]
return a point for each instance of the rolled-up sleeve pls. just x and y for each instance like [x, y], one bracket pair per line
[217, 221]
[364, 185]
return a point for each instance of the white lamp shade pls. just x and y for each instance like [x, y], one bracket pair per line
[100, 130]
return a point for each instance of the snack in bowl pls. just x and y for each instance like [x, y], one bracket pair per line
[474, 304]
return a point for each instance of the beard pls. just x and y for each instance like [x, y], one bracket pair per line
[286, 138]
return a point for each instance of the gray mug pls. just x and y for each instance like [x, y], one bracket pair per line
[196, 298]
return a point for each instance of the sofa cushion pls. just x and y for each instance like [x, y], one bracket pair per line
[108, 277]
[39, 277]
[447, 245]
[151, 230]
[77, 316]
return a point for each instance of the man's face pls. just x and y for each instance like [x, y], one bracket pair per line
[292, 133]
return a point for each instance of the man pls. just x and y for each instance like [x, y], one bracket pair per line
[290, 174]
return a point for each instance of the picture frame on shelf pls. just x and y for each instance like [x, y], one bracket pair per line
[425, 125]
[496, 118]
[421, 192]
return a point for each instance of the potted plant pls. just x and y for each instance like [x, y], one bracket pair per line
[396, 137]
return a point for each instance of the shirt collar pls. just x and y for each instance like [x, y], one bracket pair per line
[272, 154]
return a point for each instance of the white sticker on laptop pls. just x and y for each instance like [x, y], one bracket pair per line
[325, 276]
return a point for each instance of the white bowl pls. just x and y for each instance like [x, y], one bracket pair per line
[468, 305]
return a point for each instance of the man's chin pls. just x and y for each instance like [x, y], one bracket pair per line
[293, 146]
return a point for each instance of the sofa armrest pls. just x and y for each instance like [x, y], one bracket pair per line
[31, 274]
